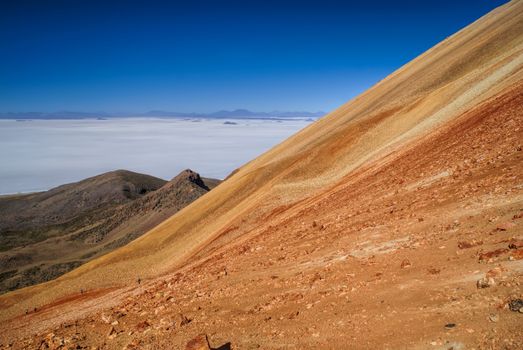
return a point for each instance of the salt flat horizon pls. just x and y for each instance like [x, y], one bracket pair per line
[38, 155]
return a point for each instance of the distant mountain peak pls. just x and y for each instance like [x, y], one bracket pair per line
[191, 176]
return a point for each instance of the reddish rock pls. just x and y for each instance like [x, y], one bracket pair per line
[134, 344]
[492, 254]
[469, 244]
[433, 271]
[497, 271]
[142, 326]
[405, 263]
[198, 343]
[517, 254]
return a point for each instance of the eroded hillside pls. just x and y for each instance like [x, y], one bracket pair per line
[46, 234]
[393, 222]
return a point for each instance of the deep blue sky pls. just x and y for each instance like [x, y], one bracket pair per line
[202, 56]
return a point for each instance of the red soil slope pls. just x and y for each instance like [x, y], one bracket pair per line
[394, 222]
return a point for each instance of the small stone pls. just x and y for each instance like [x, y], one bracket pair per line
[405, 263]
[485, 282]
[497, 271]
[142, 326]
[182, 320]
[469, 244]
[112, 333]
[515, 305]
[198, 343]
[493, 318]
[516, 244]
[450, 325]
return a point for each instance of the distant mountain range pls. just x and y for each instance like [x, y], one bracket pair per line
[235, 114]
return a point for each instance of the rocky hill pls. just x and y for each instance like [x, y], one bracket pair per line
[44, 235]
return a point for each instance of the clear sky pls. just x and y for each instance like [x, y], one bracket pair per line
[203, 56]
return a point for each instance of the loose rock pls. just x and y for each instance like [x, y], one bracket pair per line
[405, 263]
[486, 282]
[199, 343]
[493, 318]
[515, 305]
[469, 244]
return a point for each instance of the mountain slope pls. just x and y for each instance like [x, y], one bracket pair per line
[61, 204]
[349, 232]
[46, 234]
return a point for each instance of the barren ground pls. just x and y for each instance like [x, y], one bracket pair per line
[394, 222]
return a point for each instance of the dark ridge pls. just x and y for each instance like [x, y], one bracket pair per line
[56, 231]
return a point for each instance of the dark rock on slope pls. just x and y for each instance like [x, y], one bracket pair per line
[44, 235]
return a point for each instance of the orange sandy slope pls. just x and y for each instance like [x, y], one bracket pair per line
[318, 227]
